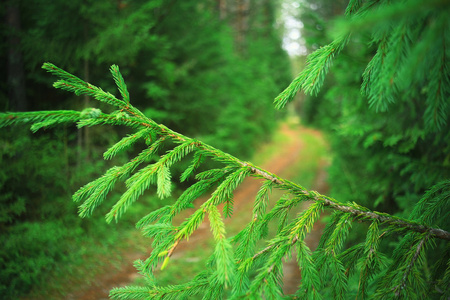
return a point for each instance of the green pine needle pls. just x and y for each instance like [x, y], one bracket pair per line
[120, 83]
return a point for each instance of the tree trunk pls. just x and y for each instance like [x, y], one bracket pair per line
[15, 68]
[87, 140]
[241, 24]
[222, 8]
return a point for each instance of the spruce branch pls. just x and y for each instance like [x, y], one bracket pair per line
[40, 119]
[120, 82]
[142, 121]
[419, 247]
[196, 286]
[311, 79]
[356, 210]
[232, 266]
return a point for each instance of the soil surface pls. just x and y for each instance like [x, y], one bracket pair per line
[243, 198]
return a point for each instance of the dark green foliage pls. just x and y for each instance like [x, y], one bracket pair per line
[40, 231]
[38, 160]
[35, 185]
[238, 266]
[23, 246]
[167, 48]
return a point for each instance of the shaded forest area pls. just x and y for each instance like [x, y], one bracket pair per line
[209, 69]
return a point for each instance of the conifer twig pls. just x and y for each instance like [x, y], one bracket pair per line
[357, 211]
[399, 287]
[140, 119]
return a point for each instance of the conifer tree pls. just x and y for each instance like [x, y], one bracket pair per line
[238, 267]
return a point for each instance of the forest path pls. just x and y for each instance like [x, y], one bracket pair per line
[280, 163]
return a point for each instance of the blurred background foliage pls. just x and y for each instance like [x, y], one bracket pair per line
[207, 69]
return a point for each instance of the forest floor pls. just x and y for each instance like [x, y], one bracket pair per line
[281, 162]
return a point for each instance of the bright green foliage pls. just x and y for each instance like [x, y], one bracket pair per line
[42, 119]
[239, 267]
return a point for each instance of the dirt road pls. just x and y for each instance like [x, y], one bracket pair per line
[279, 164]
